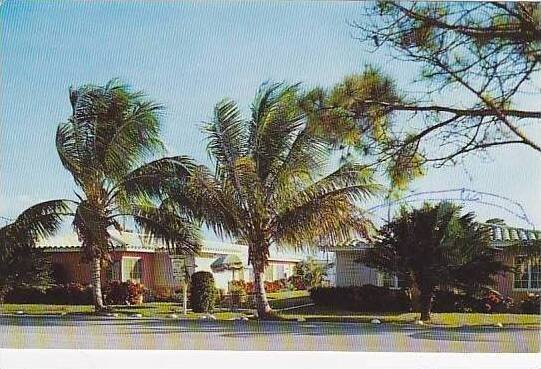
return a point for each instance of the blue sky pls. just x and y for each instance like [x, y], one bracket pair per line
[188, 56]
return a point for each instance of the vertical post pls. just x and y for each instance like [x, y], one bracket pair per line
[184, 298]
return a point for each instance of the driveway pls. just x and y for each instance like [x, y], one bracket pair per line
[133, 333]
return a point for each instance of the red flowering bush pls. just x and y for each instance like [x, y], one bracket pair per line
[494, 302]
[296, 282]
[124, 293]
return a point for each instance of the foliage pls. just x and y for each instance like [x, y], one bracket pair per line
[63, 294]
[311, 272]
[292, 283]
[531, 304]
[494, 302]
[489, 302]
[368, 298]
[237, 294]
[124, 293]
[270, 182]
[20, 262]
[203, 292]
[348, 118]
[296, 283]
[435, 246]
[59, 273]
[487, 54]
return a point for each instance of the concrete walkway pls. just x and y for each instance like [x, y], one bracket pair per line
[133, 333]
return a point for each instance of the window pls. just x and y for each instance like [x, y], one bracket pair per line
[113, 271]
[132, 269]
[528, 272]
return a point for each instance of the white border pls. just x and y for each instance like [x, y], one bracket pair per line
[116, 359]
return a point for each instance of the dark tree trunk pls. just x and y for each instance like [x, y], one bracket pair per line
[421, 298]
[96, 284]
[426, 304]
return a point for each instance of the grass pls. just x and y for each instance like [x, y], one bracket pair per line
[287, 299]
[281, 300]
[152, 309]
[313, 313]
[278, 300]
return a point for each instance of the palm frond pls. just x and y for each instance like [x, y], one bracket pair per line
[37, 222]
[177, 233]
[226, 136]
[111, 131]
[206, 198]
[153, 178]
[325, 219]
[276, 122]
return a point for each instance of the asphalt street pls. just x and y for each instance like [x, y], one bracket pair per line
[141, 333]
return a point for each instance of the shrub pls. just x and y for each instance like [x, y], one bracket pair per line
[203, 292]
[59, 273]
[367, 298]
[311, 272]
[494, 302]
[531, 304]
[238, 295]
[65, 294]
[296, 283]
[123, 293]
[453, 302]
[25, 295]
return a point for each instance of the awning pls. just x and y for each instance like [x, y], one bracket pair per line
[227, 262]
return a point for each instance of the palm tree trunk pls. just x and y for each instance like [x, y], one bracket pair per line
[261, 302]
[96, 284]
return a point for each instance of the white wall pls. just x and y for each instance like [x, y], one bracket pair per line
[350, 273]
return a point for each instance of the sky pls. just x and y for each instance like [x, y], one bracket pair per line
[188, 56]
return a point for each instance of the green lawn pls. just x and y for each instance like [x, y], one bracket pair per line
[278, 300]
[281, 300]
[314, 313]
[152, 309]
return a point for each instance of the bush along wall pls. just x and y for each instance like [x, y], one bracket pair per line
[124, 293]
[203, 292]
[367, 298]
[62, 294]
[531, 304]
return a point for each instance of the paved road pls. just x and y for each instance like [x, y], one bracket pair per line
[133, 333]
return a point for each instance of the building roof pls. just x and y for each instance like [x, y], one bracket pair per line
[501, 235]
[227, 262]
[355, 244]
[126, 241]
[131, 241]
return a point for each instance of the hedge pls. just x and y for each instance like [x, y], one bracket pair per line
[203, 292]
[367, 298]
[64, 294]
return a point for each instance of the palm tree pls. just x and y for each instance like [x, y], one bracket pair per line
[105, 144]
[20, 263]
[435, 246]
[273, 182]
